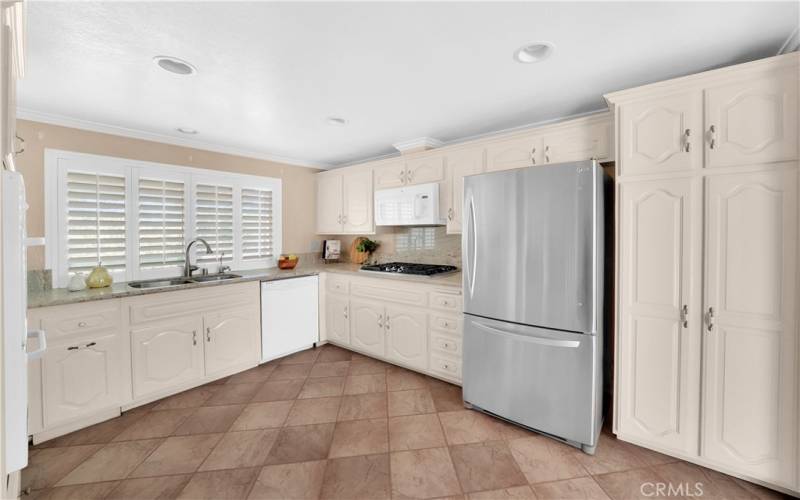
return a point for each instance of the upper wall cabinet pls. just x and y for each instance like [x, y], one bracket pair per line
[344, 202]
[519, 152]
[390, 175]
[460, 163]
[578, 143]
[753, 121]
[420, 170]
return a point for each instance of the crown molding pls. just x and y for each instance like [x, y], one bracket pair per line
[66, 121]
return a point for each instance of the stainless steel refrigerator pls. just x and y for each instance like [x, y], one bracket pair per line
[533, 288]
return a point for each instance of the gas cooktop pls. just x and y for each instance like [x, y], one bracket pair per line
[408, 268]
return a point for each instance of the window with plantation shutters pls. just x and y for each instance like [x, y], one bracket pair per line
[161, 222]
[256, 217]
[213, 213]
[95, 221]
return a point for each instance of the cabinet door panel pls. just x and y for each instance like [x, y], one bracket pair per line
[653, 134]
[659, 354]
[390, 175]
[461, 164]
[755, 121]
[366, 327]
[423, 170]
[750, 413]
[337, 319]
[232, 339]
[81, 378]
[407, 336]
[582, 142]
[358, 202]
[514, 153]
[167, 354]
[329, 203]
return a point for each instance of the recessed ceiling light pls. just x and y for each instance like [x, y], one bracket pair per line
[186, 130]
[336, 120]
[534, 52]
[175, 65]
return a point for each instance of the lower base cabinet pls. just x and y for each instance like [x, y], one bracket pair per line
[337, 319]
[167, 354]
[367, 327]
[407, 336]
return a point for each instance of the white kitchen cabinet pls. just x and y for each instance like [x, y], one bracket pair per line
[750, 419]
[366, 326]
[518, 152]
[659, 331]
[424, 170]
[337, 319]
[390, 175]
[229, 340]
[753, 120]
[329, 203]
[575, 143]
[167, 354]
[460, 163]
[344, 202]
[407, 336]
[661, 134]
[81, 377]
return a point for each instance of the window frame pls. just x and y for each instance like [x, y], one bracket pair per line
[56, 164]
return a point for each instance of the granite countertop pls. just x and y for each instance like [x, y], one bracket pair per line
[59, 296]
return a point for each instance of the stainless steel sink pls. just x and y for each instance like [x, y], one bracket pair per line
[168, 282]
[159, 283]
[214, 277]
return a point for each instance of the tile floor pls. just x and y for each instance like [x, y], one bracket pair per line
[327, 423]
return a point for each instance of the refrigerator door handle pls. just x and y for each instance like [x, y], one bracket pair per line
[525, 338]
[472, 259]
[41, 337]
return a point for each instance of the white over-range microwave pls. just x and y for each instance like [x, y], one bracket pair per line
[408, 206]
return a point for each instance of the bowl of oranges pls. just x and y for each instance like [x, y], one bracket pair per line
[287, 261]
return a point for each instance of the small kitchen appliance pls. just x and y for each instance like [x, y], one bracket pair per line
[408, 206]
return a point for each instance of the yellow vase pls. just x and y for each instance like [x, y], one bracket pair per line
[99, 277]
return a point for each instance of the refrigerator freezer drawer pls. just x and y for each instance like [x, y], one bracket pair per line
[547, 380]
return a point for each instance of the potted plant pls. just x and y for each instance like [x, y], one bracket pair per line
[363, 249]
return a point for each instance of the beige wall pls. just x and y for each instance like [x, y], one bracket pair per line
[299, 198]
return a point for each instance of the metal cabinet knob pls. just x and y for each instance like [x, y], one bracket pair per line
[533, 153]
[194, 337]
[547, 154]
[685, 315]
[710, 320]
[81, 324]
[687, 146]
[208, 334]
[713, 136]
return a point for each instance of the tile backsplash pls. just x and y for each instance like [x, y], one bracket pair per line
[428, 245]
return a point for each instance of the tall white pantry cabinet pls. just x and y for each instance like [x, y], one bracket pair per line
[707, 225]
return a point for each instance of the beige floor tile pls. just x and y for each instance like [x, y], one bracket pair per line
[301, 444]
[542, 459]
[759, 492]
[49, 465]
[322, 387]
[400, 379]
[150, 488]
[364, 477]
[612, 455]
[415, 432]
[516, 493]
[258, 374]
[367, 366]
[230, 484]
[360, 437]
[101, 433]
[582, 488]
[363, 406]
[155, 424]
[243, 449]
[468, 426]
[423, 474]
[280, 390]
[629, 485]
[332, 353]
[332, 369]
[210, 419]
[111, 462]
[193, 398]
[177, 455]
[302, 357]
[486, 466]
[314, 411]
[289, 372]
[447, 397]
[263, 416]
[91, 491]
[231, 394]
[715, 485]
[411, 402]
[297, 481]
[363, 384]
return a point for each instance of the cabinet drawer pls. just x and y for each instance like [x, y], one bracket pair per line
[383, 289]
[446, 366]
[447, 323]
[337, 284]
[72, 320]
[164, 305]
[449, 344]
[447, 301]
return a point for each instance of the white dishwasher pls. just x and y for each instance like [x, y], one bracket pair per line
[289, 316]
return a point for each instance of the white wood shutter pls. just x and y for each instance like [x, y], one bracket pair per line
[95, 221]
[257, 227]
[161, 222]
[214, 220]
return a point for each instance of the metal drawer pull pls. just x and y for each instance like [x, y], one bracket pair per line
[81, 324]
[194, 337]
[91, 344]
[687, 146]
[388, 324]
[547, 154]
[345, 312]
[73, 348]
[208, 334]
[380, 321]
[713, 132]
[710, 318]
[533, 159]
[685, 315]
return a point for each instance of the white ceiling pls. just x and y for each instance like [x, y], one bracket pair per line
[270, 73]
